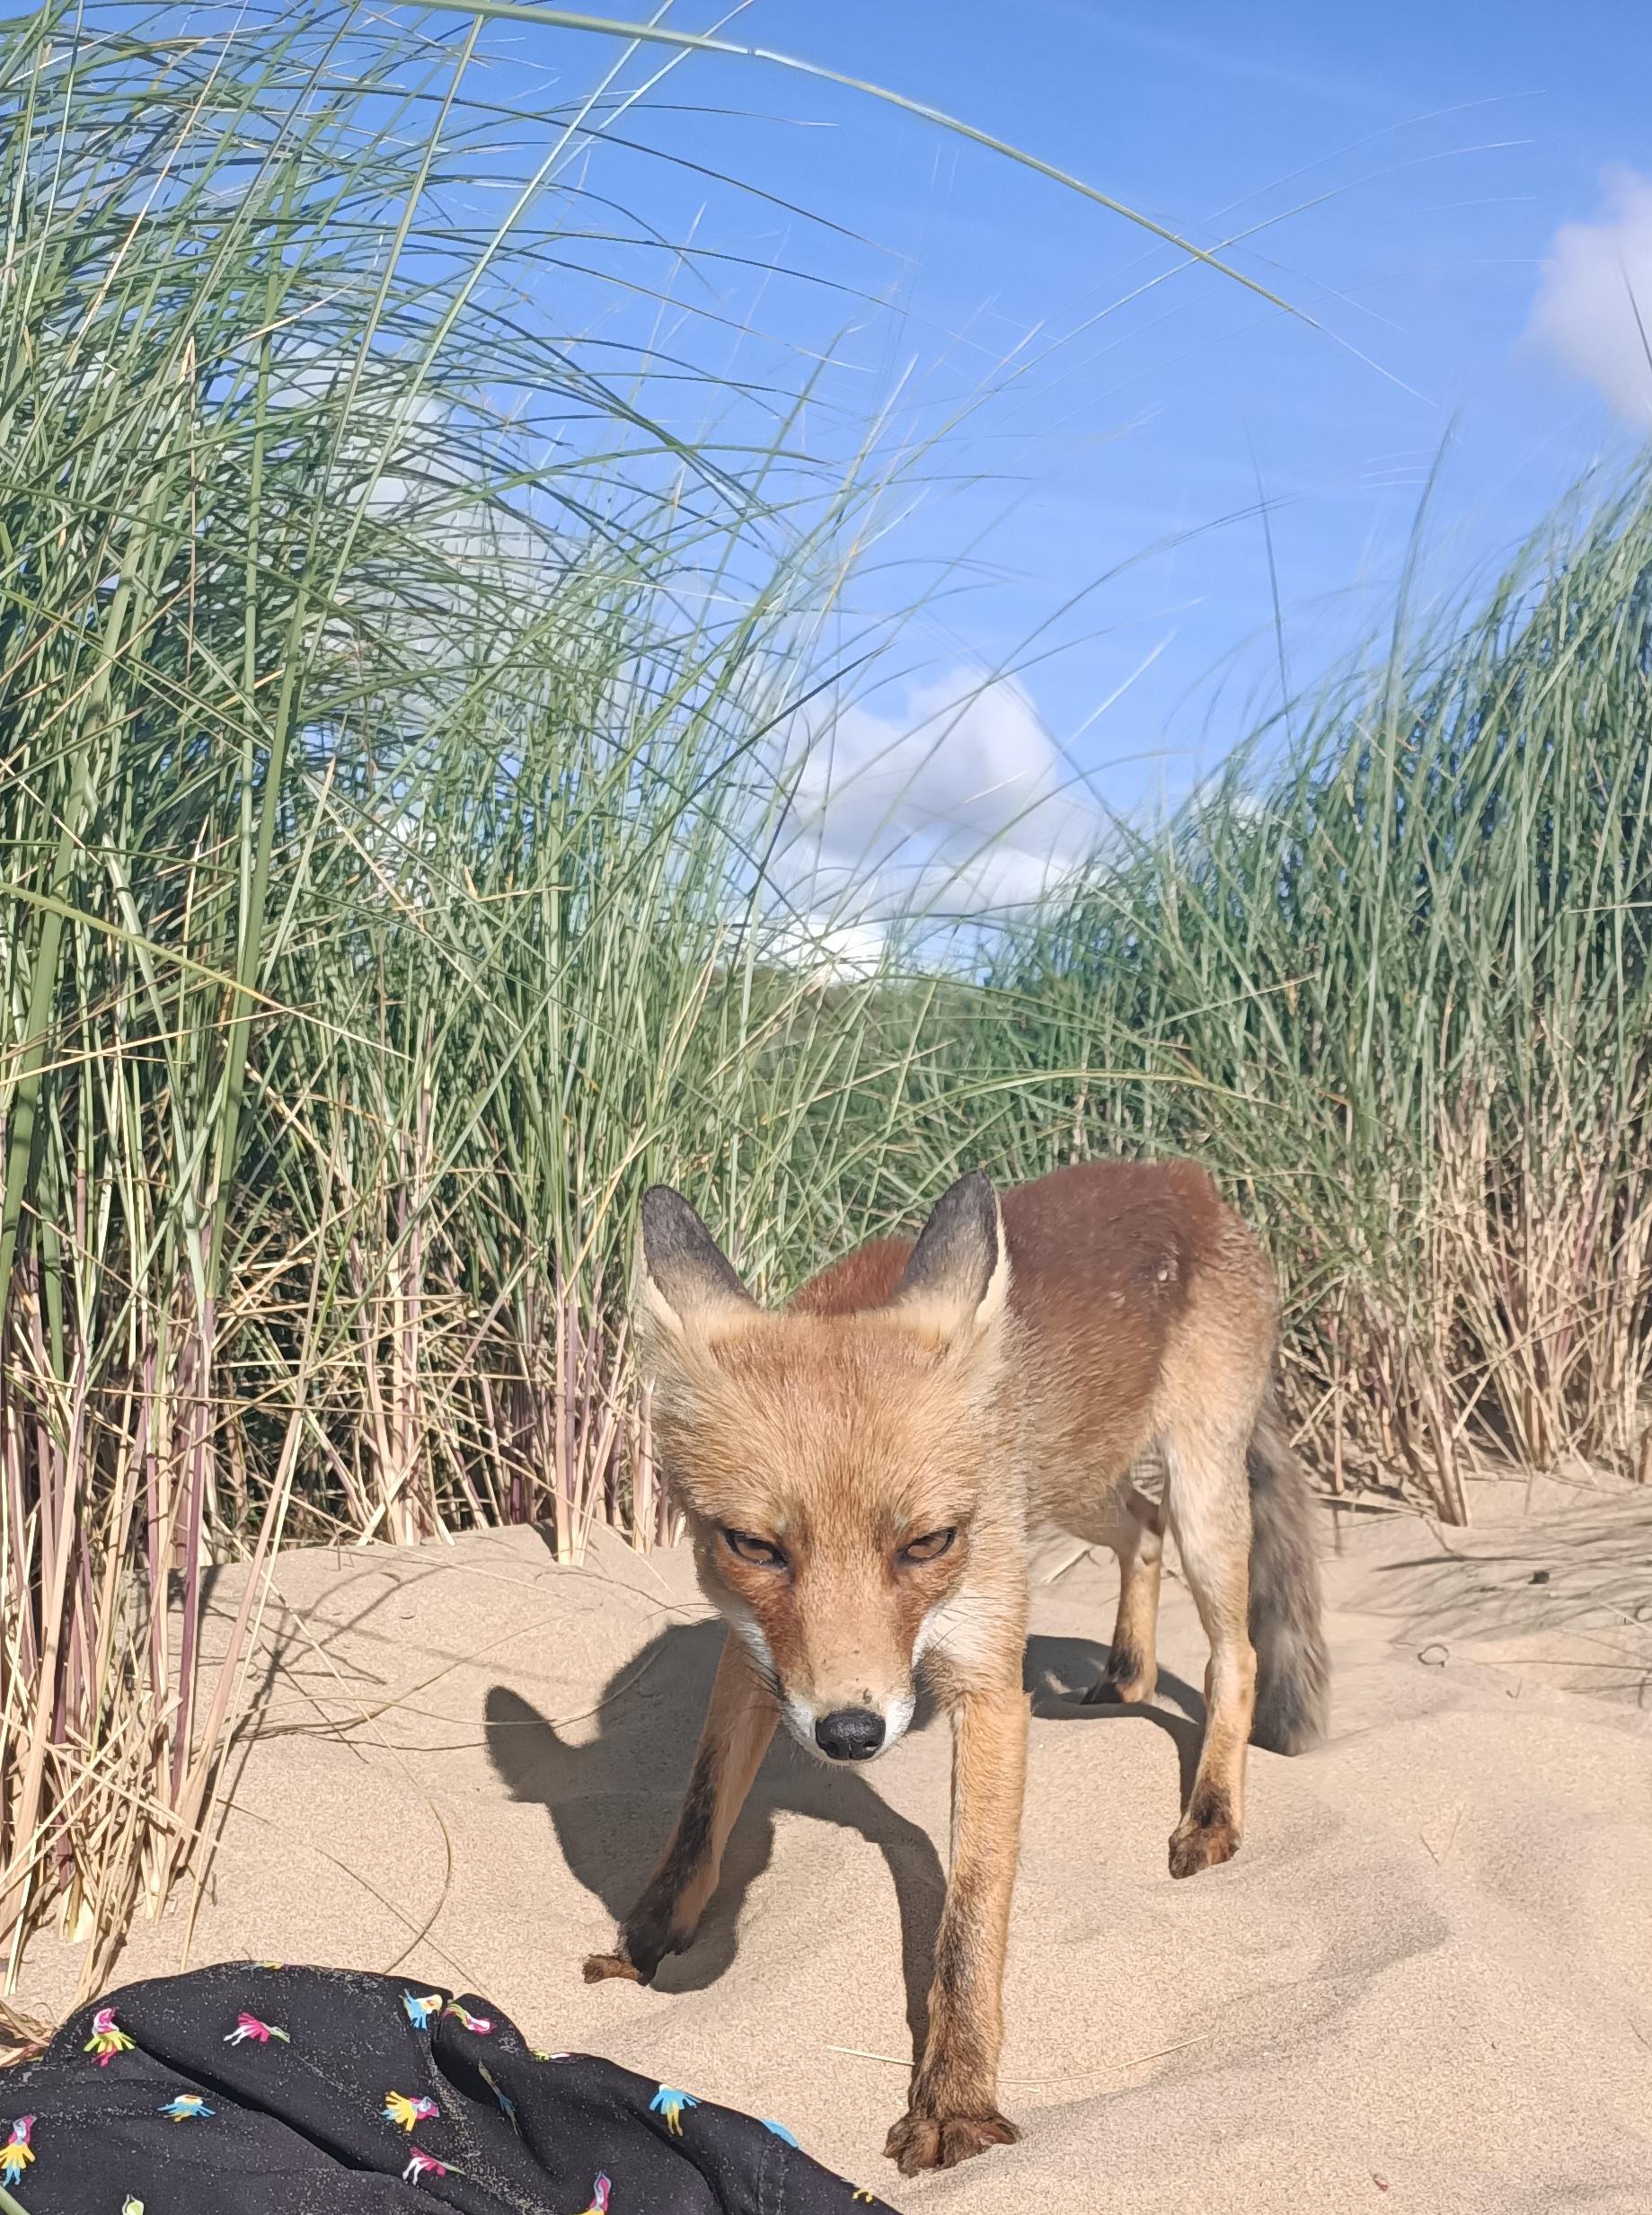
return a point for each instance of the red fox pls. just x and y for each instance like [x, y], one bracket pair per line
[861, 1474]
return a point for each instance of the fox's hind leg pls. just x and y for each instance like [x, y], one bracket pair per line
[1207, 1505]
[739, 1722]
[1135, 1536]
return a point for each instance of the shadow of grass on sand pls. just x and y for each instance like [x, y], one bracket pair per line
[604, 1796]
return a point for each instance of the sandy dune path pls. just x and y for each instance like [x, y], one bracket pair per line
[1425, 1983]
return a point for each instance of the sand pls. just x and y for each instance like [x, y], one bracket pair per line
[1425, 1983]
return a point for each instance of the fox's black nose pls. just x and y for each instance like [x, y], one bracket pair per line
[852, 1734]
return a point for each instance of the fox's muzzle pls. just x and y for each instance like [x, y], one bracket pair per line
[850, 1735]
[842, 1733]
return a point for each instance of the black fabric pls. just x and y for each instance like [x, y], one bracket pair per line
[253, 2089]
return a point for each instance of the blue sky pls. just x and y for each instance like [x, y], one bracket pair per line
[1412, 170]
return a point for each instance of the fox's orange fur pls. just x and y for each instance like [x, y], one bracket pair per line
[861, 1474]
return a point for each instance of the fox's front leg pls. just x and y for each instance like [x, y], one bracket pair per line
[739, 1725]
[954, 2105]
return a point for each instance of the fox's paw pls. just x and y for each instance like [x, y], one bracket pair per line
[600, 1967]
[1126, 1681]
[1205, 1836]
[1116, 1692]
[942, 2142]
[642, 1942]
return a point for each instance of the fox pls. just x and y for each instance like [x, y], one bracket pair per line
[862, 1473]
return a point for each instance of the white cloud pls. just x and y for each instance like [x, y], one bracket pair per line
[1594, 305]
[956, 801]
[830, 952]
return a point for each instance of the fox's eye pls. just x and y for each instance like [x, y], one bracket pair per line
[758, 1552]
[931, 1546]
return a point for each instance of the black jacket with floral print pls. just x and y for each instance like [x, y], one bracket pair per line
[254, 2088]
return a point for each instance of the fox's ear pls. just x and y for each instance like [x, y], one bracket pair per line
[686, 1289]
[956, 1285]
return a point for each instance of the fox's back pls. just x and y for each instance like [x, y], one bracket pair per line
[1107, 1258]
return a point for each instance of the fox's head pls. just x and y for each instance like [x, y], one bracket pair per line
[833, 1467]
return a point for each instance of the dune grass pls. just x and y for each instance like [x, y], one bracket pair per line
[1406, 952]
[383, 810]
[394, 884]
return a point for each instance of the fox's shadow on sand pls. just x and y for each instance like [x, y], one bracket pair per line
[604, 1795]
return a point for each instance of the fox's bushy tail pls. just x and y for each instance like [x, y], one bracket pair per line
[1293, 1668]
